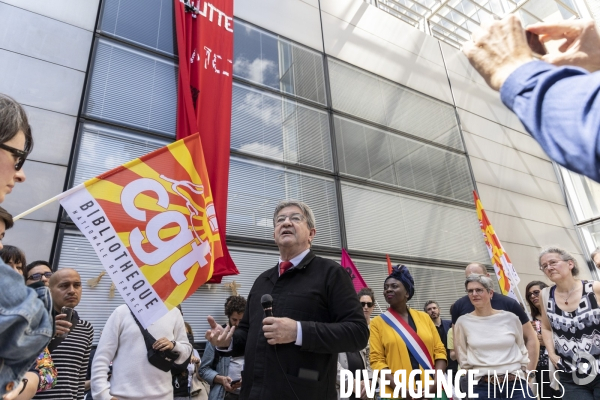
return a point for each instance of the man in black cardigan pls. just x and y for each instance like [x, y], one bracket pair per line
[317, 315]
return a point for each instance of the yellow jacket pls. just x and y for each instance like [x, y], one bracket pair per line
[388, 350]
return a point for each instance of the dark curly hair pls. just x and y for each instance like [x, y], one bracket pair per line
[367, 291]
[234, 304]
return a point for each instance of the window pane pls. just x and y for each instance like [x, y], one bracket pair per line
[270, 126]
[256, 188]
[370, 97]
[584, 194]
[145, 22]
[269, 60]
[133, 88]
[386, 222]
[102, 148]
[385, 157]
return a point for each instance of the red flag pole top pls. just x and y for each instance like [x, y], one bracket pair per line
[205, 48]
[389, 264]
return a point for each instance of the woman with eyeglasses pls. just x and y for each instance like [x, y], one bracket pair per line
[25, 337]
[571, 325]
[358, 360]
[534, 299]
[502, 354]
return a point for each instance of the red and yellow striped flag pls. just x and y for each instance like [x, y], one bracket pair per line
[505, 272]
[152, 223]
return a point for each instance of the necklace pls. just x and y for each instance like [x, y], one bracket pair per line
[569, 294]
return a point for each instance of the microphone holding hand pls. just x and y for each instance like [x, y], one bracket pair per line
[277, 330]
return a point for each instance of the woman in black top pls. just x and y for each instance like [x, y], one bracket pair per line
[534, 299]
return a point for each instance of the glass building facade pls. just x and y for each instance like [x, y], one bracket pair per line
[384, 167]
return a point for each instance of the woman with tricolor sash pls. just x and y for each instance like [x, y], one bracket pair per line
[403, 338]
[491, 342]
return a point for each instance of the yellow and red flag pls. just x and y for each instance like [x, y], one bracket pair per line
[389, 264]
[505, 272]
[152, 223]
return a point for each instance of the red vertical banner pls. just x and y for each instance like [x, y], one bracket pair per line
[205, 49]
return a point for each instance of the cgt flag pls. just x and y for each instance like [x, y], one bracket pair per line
[505, 272]
[153, 225]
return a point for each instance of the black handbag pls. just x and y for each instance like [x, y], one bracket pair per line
[163, 360]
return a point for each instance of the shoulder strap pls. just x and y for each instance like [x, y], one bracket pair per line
[413, 342]
[215, 361]
[148, 338]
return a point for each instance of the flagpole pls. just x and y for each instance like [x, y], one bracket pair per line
[378, 306]
[512, 285]
[52, 200]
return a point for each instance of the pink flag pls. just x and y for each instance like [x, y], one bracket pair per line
[348, 265]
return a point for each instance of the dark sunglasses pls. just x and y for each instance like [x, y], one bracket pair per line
[19, 154]
[362, 304]
[535, 293]
[37, 277]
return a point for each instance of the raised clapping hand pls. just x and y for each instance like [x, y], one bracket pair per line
[217, 335]
[581, 46]
[497, 49]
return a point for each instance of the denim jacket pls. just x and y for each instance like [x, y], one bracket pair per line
[217, 392]
[26, 325]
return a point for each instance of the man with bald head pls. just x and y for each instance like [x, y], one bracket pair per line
[500, 302]
[70, 351]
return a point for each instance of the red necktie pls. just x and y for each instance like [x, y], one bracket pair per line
[284, 266]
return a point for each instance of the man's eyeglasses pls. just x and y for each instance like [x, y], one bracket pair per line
[20, 155]
[478, 291]
[294, 218]
[38, 277]
[362, 304]
[533, 293]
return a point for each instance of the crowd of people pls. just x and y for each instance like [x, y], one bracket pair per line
[294, 343]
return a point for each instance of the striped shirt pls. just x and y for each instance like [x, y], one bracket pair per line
[71, 359]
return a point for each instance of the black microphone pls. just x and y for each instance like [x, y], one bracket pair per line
[267, 303]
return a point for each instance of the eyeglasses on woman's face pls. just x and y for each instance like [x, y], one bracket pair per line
[476, 291]
[552, 263]
[366, 304]
[37, 277]
[534, 293]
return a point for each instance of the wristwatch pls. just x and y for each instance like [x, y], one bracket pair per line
[172, 341]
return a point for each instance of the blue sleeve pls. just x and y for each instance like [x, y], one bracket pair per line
[560, 108]
[205, 370]
[515, 308]
[26, 325]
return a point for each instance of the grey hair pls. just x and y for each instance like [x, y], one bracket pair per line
[485, 281]
[306, 211]
[564, 255]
